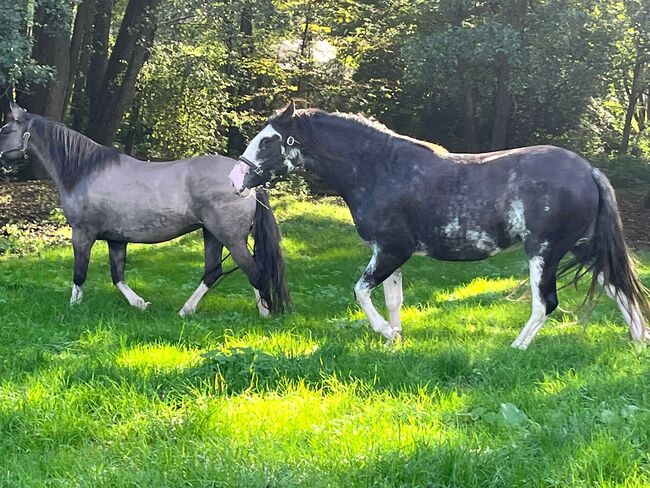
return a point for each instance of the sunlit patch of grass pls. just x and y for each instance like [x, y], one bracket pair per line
[476, 287]
[106, 395]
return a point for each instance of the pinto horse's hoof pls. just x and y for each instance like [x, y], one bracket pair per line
[397, 339]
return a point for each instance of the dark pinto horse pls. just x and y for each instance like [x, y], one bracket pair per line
[406, 198]
[110, 196]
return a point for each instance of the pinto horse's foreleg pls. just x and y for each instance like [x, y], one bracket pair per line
[544, 292]
[394, 297]
[117, 258]
[382, 265]
[213, 269]
[81, 245]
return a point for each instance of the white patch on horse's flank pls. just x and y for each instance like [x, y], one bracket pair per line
[192, 302]
[262, 307]
[77, 295]
[132, 297]
[452, 228]
[481, 240]
[630, 310]
[251, 151]
[421, 249]
[538, 314]
[517, 219]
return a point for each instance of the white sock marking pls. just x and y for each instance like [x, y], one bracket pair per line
[131, 296]
[394, 297]
[262, 307]
[77, 295]
[538, 314]
[630, 310]
[192, 302]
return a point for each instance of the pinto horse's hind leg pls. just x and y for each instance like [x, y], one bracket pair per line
[81, 245]
[382, 265]
[630, 310]
[212, 250]
[394, 297]
[543, 268]
[117, 258]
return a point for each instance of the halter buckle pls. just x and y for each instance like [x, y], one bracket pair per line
[290, 141]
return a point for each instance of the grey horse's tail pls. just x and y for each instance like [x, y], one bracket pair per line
[268, 256]
[607, 255]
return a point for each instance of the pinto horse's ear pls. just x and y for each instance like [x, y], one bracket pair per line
[16, 111]
[287, 113]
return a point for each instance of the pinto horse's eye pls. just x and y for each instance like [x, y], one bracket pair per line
[265, 141]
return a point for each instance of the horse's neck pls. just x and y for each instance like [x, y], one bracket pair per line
[39, 151]
[349, 164]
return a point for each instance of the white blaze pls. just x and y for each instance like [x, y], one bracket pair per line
[251, 151]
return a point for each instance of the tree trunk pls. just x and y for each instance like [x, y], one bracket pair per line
[631, 105]
[503, 100]
[80, 48]
[470, 133]
[502, 106]
[51, 47]
[126, 60]
[236, 142]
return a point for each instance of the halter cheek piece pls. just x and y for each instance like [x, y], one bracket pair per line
[258, 170]
[23, 146]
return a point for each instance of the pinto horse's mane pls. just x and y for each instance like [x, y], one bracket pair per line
[306, 118]
[73, 155]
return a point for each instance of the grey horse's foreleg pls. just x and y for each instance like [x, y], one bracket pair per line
[213, 269]
[247, 264]
[117, 258]
[81, 245]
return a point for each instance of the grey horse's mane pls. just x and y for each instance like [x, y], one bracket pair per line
[73, 155]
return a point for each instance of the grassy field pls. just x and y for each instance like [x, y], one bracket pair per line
[106, 395]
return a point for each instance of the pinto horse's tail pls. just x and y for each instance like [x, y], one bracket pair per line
[609, 259]
[268, 256]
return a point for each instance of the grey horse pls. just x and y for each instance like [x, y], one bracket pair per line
[106, 195]
[407, 198]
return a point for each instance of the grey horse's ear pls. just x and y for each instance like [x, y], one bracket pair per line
[16, 111]
[287, 113]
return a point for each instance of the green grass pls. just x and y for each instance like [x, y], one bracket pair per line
[106, 395]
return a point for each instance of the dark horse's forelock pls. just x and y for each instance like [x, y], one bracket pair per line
[73, 155]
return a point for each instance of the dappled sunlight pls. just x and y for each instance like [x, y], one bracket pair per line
[157, 357]
[476, 287]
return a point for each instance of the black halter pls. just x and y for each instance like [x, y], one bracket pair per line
[23, 146]
[258, 170]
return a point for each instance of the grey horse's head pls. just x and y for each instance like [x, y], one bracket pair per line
[14, 136]
[271, 154]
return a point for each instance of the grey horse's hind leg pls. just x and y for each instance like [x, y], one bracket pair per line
[246, 263]
[82, 244]
[117, 257]
[212, 250]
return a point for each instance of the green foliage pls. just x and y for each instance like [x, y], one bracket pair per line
[625, 171]
[16, 63]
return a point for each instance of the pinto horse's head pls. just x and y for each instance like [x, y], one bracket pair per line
[14, 136]
[271, 154]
